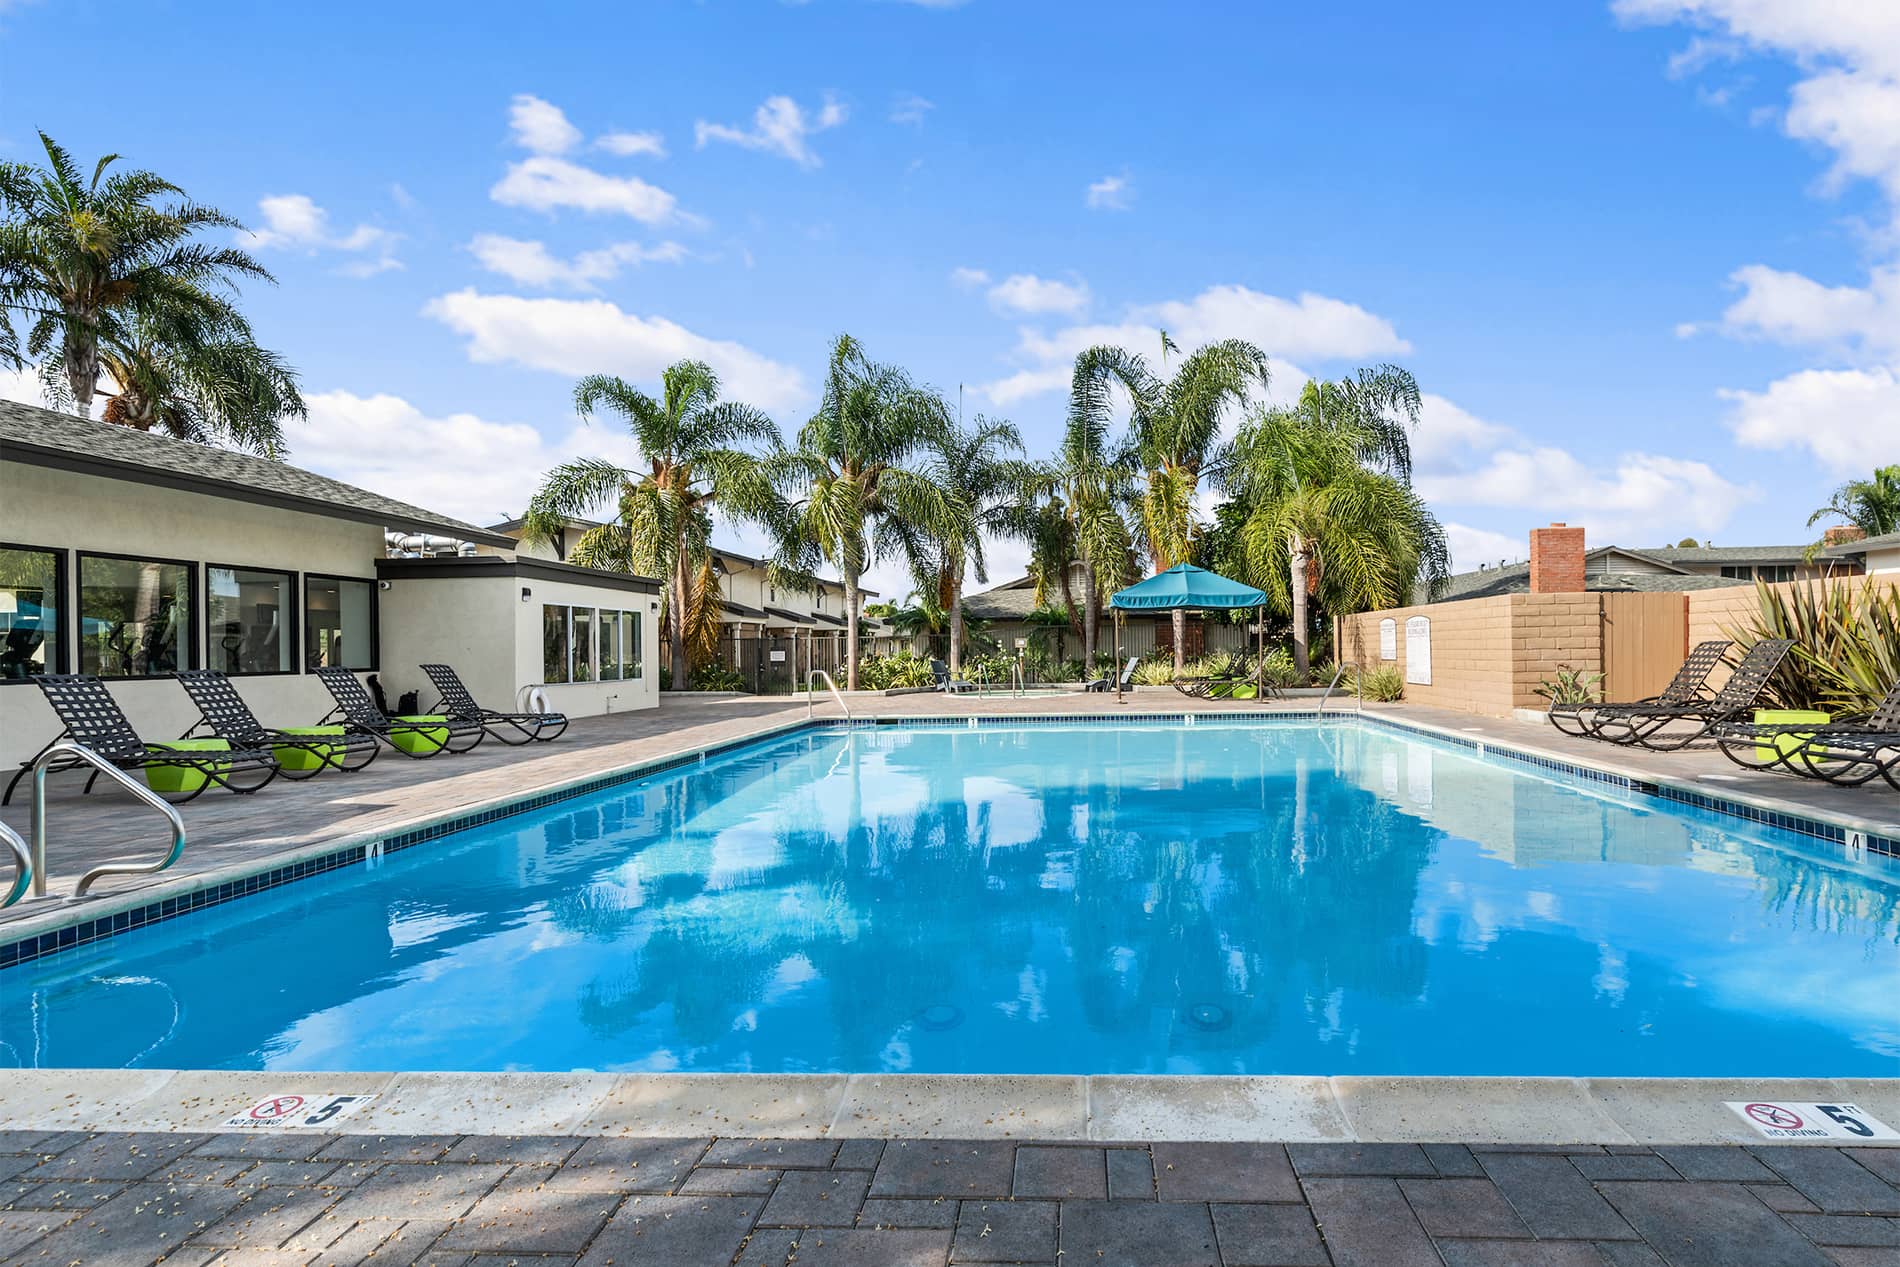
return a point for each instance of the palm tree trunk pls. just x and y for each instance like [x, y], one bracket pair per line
[1180, 641]
[82, 362]
[1296, 567]
[956, 624]
[850, 628]
[1088, 615]
[676, 632]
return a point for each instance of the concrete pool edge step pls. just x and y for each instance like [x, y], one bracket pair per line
[1476, 1111]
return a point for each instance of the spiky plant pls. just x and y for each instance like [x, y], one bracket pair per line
[698, 451]
[1846, 635]
[85, 262]
[854, 482]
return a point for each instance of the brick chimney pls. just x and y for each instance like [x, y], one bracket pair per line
[1843, 534]
[1556, 560]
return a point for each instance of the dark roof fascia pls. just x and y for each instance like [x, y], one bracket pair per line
[478, 565]
[791, 617]
[30, 454]
[740, 609]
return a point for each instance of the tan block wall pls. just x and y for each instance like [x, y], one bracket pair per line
[1718, 613]
[1488, 654]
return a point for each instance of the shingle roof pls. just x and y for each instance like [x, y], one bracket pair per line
[1005, 602]
[1728, 554]
[1885, 541]
[1515, 578]
[44, 437]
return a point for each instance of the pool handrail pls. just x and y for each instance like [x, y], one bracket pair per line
[1329, 690]
[79, 752]
[22, 866]
[812, 677]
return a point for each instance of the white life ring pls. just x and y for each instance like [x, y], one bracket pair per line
[532, 699]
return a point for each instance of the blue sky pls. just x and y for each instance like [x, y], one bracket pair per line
[1640, 255]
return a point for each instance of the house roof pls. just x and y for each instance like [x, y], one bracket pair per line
[1726, 554]
[740, 609]
[1011, 600]
[1885, 541]
[46, 437]
[789, 617]
[521, 565]
[1515, 578]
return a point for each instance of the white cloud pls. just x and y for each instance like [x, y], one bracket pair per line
[1446, 432]
[1111, 193]
[780, 126]
[1790, 308]
[627, 144]
[585, 336]
[532, 264]
[1026, 293]
[23, 386]
[1637, 497]
[1847, 419]
[1310, 327]
[969, 278]
[1475, 547]
[294, 222]
[540, 126]
[911, 109]
[546, 183]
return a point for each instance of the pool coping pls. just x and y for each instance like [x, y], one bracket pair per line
[1289, 1108]
[76, 922]
[1130, 1108]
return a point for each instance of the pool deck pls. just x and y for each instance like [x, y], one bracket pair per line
[449, 1200]
[111, 1166]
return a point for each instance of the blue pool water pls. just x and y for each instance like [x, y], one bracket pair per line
[1142, 898]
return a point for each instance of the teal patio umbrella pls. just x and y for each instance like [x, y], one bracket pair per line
[1184, 585]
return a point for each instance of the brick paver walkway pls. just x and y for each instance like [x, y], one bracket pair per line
[448, 1201]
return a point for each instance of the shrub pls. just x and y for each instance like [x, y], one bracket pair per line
[900, 668]
[1155, 672]
[1571, 686]
[1846, 653]
[1279, 668]
[1381, 685]
[716, 677]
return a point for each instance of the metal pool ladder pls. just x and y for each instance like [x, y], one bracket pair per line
[67, 748]
[22, 865]
[1329, 690]
[812, 677]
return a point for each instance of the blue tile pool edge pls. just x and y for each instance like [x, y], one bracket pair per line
[107, 924]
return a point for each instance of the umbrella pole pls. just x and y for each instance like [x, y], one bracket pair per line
[1116, 668]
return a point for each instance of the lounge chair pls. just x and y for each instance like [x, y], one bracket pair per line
[1221, 684]
[1104, 682]
[1688, 686]
[457, 703]
[301, 753]
[1844, 753]
[1647, 725]
[940, 672]
[414, 736]
[93, 719]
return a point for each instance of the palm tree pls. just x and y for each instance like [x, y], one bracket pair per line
[854, 491]
[1325, 487]
[199, 376]
[1872, 505]
[84, 262]
[1085, 486]
[1176, 425]
[698, 450]
[979, 471]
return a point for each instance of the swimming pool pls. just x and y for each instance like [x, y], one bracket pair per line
[1257, 897]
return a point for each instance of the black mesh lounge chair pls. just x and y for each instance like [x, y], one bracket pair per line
[1846, 753]
[93, 719]
[1648, 725]
[510, 728]
[412, 736]
[1104, 682]
[223, 714]
[1688, 686]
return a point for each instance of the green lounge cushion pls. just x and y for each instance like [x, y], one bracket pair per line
[309, 756]
[423, 738]
[175, 780]
[1768, 748]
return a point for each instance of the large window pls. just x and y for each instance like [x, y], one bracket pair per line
[634, 660]
[135, 616]
[249, 620]
[612, 645]
[583, 618]
[339, 620]
[31, 592]
[555, 642]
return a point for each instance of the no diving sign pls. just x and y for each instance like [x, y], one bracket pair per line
[1780, 1119]
[293, 1111]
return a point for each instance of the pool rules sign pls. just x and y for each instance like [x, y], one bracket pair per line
[290, 1111]
[1781, 1119]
